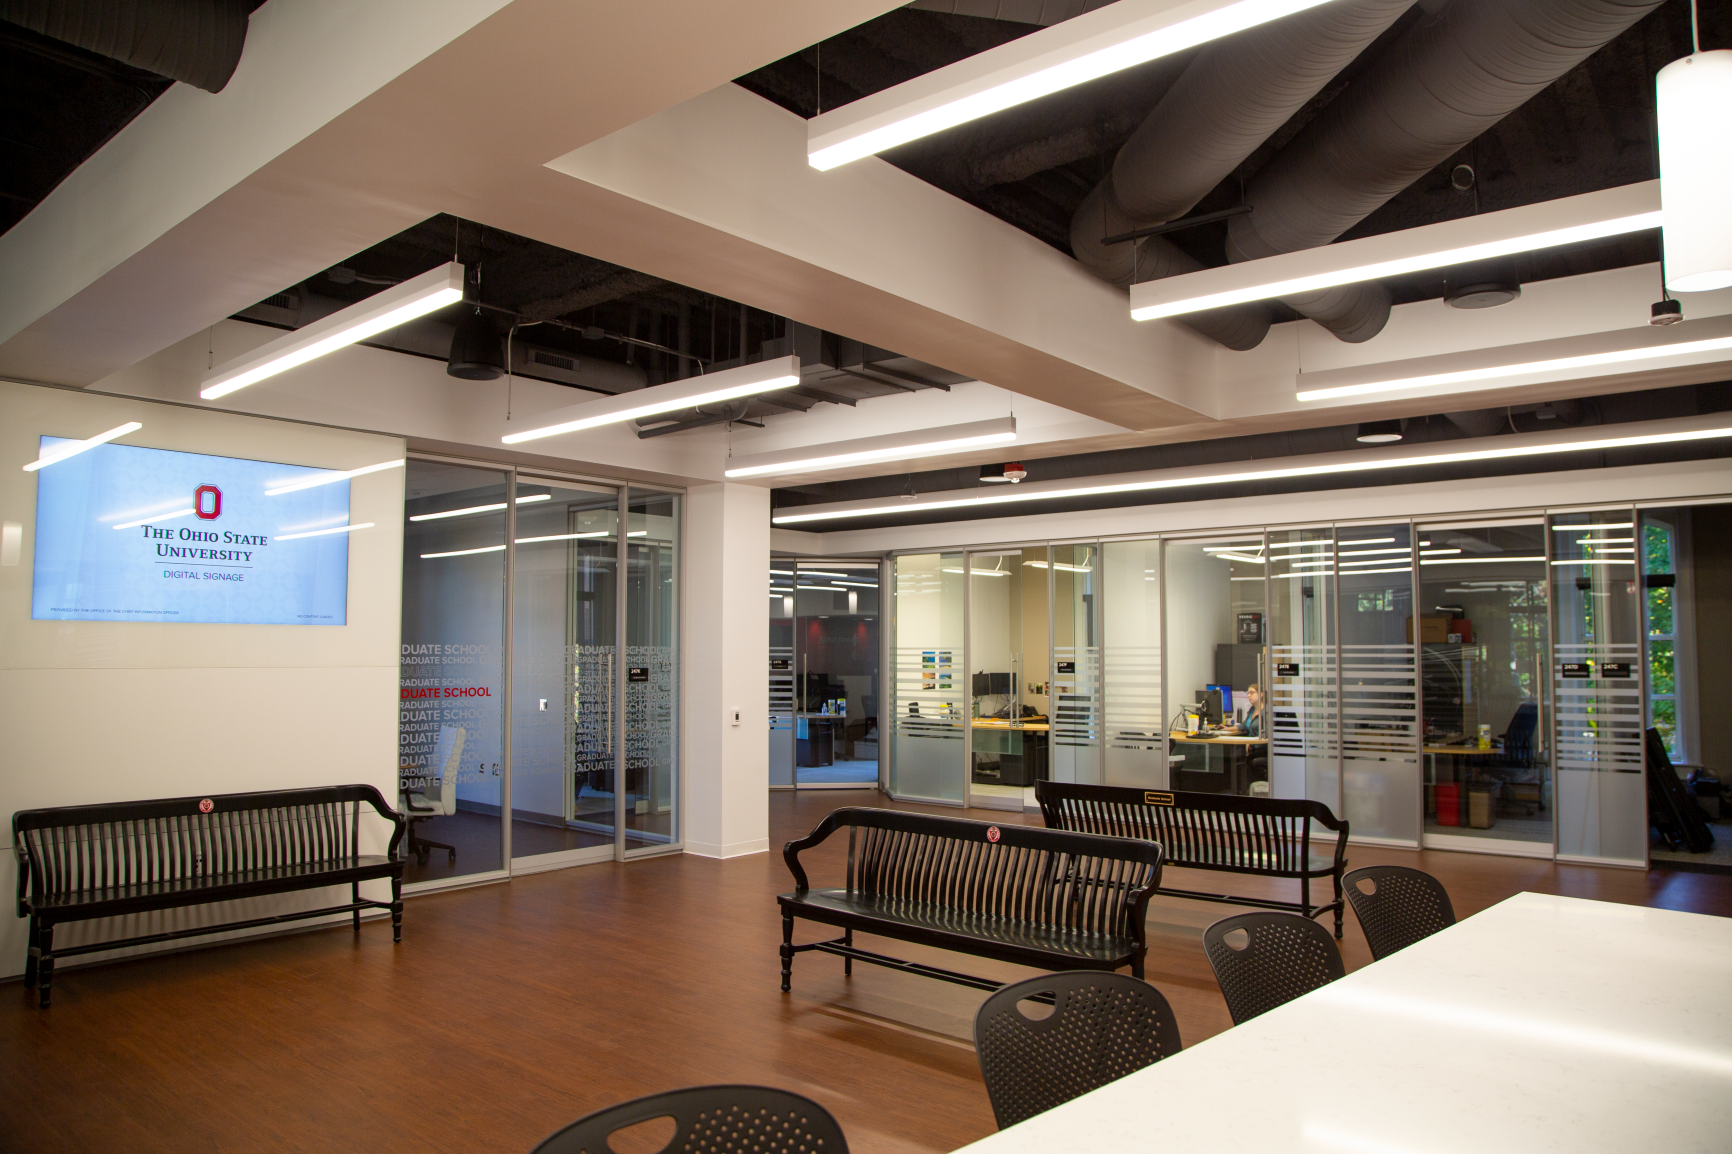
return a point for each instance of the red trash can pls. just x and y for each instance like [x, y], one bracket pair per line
[1448, 803]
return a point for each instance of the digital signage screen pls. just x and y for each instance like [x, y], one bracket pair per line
[125, 533]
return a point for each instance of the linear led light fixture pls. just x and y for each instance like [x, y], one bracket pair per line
[1560, 359]
[710, 388]
[868, 450]
[1099, 43]
[332, 478]
[72, 448]
[1700, 428]
[480, 508]
[325, 532]
[1571, 219]
[415, 297]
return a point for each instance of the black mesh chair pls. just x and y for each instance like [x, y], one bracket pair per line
[1397, 906]
[1102, 1027]
[712, 1118]
[1284, 956]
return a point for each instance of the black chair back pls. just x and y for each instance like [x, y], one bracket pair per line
[712, 1118]
[1102, 1027]
[1401, 906]
[1285, 956]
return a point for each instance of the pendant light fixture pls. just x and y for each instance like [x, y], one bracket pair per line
[1692, 97]
[475, 352]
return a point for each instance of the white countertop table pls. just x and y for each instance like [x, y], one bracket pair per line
[1541, 1024]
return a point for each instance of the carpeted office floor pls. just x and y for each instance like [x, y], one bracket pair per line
[511, 1009]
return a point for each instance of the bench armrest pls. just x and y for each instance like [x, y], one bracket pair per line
[791, 851]
[398, 823]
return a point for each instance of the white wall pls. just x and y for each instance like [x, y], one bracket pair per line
[727, 624]
[1199, 615]
[98, 711]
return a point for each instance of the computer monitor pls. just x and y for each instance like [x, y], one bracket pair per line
[1226, 698]
[991, 685]
[1209, 705]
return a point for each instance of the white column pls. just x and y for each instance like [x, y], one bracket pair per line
[727, 637]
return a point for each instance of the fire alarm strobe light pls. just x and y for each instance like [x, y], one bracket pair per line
[1014, 472]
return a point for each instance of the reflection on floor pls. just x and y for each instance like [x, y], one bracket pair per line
[1023, 795]
[476, 838]
[280, 1043]
[853, 772]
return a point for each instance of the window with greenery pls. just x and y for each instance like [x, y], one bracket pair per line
[1657, 609]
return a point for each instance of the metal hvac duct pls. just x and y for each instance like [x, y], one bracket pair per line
[197, 41]
[1229, 100]
[1445, 81]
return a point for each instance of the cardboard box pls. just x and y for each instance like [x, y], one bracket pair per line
[1432, 630]
[1481, 807]
[1439, 630]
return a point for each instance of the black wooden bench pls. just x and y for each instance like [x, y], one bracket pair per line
[1268, 836]
[1036, 897]
[101, 861]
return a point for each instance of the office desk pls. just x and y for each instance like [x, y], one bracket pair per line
[1237, 769]
[1018, 750]
[1456, 774]
[1448, 1046]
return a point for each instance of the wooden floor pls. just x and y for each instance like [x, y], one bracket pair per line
[511, 1009]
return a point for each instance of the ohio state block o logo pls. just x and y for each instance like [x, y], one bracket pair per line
[206, 805]
[207, 495]
[992, 833]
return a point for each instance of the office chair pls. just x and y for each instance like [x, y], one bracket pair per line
[1403, 906]
[712, 1118]
[419, 806]
[1102, 1027]
[1285, 956]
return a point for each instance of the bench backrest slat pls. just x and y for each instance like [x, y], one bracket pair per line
[1248, 834]
[1042, 878]
[79, 849]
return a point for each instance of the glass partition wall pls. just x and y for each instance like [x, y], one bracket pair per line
[513, 685]
[824, 674]
[1415, 677]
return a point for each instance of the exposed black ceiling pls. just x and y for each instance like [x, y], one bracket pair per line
[59, 103]
[1031, 166]
[583, 322]
[1617, 408]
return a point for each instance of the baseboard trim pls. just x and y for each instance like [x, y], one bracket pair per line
[734, 849]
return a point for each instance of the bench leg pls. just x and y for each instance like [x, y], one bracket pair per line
[355, 897]
[1137, 963]
[848, 963]
[30, 955]
[44, 962]
[1340, 903]
[396, 909]
[787, 953]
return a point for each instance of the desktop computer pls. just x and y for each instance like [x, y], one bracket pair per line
[1209, 705]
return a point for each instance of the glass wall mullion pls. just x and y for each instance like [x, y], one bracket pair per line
[506, 726]
[621, 570]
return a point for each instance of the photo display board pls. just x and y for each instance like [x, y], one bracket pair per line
[125, 533]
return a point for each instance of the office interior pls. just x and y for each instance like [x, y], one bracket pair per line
[1360, 551]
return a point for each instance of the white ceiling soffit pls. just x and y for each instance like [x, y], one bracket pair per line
[870, 251]
[1029, 496]
[345, 124]
[1608, 212]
